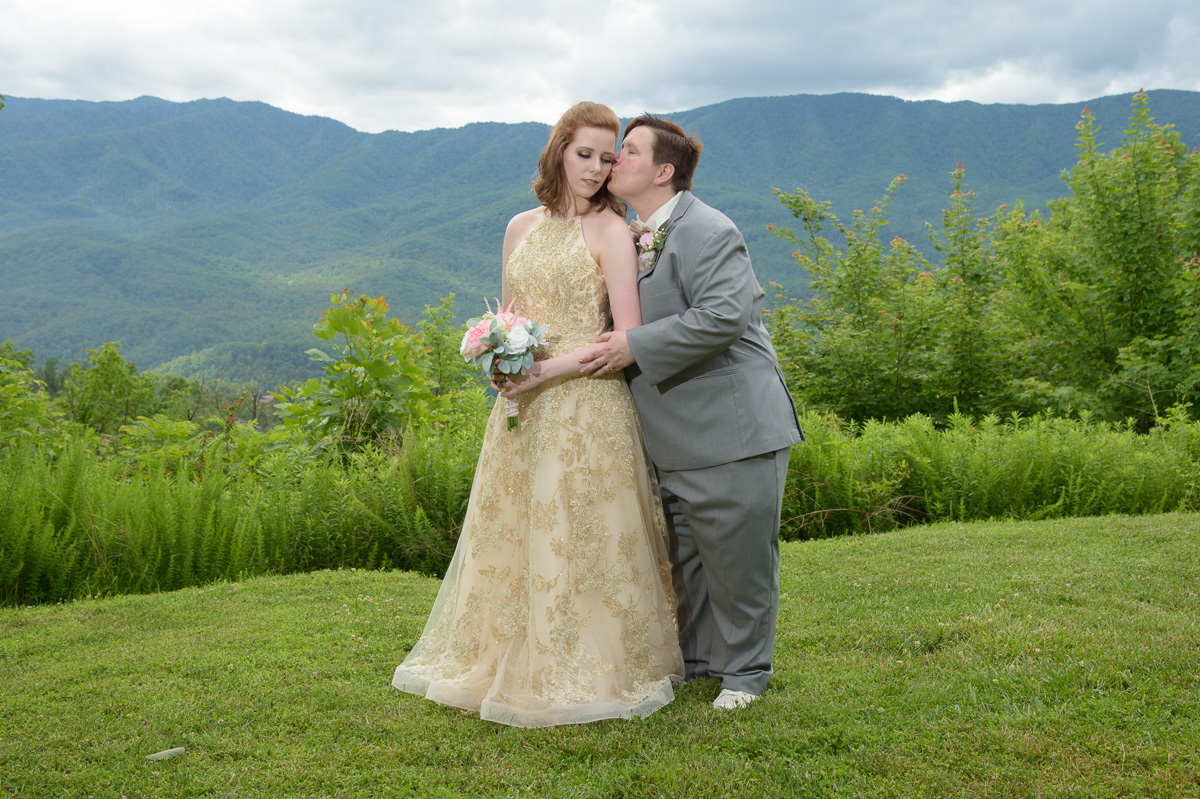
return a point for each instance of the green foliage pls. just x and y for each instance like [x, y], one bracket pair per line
[1124, 210]
[853, 477]
[883, 336]
[108, 392]
[24, 405]
[974, 335]
[51, 376]
[1101, 292]
[170, 505]
[1094, 309]
[440, 333]
[22, 358]
[174, 508]
[190, 449]
[375, 384]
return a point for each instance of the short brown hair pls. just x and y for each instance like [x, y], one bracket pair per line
[672, 146]
[550, 185]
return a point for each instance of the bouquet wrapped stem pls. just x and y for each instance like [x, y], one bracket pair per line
[504, 342]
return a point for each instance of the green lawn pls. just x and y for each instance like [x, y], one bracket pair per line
[1053, 658]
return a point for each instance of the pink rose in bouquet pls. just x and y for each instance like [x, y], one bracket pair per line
[472, 344]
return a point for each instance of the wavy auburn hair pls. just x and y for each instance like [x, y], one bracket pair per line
[550, 185]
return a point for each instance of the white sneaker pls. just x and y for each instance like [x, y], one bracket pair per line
[730, 700]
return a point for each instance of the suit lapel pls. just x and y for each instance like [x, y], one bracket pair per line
[685, 202]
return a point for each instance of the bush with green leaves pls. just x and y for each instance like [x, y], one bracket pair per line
[375, 382]
[150, 516]
[1096, 308]
[25, 409]
[872, 341]
[108, 392]
[1106, 292]
[440, 334]
[182, 447]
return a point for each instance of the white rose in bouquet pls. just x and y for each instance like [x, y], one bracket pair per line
[518, 339]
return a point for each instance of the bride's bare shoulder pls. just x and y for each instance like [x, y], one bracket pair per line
[522, 222]
[605, 221]
[608, 224]
[520, 225]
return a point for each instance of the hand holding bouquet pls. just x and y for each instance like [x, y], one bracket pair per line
[501, 341]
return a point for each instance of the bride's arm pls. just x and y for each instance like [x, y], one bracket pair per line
[621, 278]
[518, 227]
[618, 263]
[612, 246]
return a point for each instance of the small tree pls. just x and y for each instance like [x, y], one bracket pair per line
[24, 405]
[867, 344]
[50, 374]
[1103, 290]
[973, 336]
[109, 392]
[375, 382]
[440, 333]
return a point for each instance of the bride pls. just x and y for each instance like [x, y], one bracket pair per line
[557, 607]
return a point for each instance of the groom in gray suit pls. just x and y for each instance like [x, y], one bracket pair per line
[718, 419]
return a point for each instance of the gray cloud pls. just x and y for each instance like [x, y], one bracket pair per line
[383, 64]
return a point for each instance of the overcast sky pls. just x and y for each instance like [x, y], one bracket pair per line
[403, 65]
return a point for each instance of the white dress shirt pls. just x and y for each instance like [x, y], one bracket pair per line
[663, 213]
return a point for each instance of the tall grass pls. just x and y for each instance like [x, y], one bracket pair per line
[79, 523]
[850, 478]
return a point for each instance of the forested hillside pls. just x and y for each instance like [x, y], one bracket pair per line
[213, 232]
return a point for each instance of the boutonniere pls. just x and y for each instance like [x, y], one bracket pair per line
[649, 245]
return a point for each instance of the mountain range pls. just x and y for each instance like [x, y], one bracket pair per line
[207, 236]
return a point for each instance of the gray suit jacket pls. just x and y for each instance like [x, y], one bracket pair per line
[706, 381]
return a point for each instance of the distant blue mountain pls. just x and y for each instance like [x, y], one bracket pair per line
[214, 226]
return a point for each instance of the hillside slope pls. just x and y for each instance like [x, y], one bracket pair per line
[177, 227]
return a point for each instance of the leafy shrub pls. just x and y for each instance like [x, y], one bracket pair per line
[375, 383]
[1095, 308]
[24, 406]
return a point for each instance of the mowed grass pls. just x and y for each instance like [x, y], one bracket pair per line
[1057, 658]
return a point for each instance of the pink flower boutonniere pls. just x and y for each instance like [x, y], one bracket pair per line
[649, 245]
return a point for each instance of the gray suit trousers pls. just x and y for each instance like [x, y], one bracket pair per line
[723, 524]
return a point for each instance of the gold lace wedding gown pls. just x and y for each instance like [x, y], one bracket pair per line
[557, 607]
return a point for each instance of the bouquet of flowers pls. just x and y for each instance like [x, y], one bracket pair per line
[501, 341]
